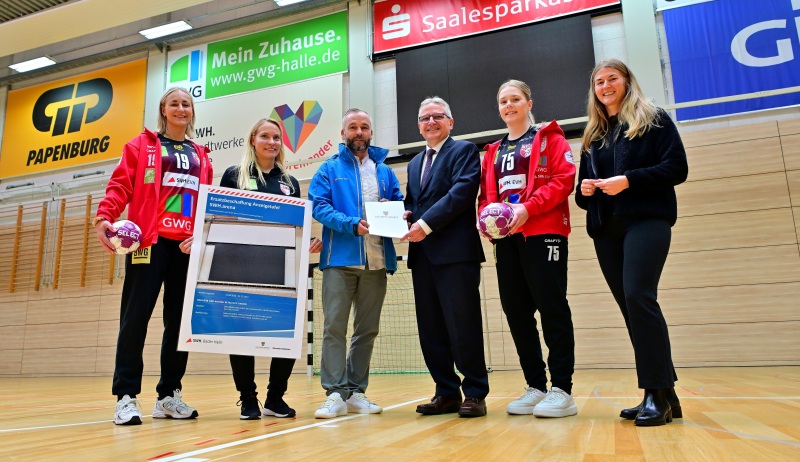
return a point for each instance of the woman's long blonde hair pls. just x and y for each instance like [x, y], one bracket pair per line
[249, 162]
[637, 113]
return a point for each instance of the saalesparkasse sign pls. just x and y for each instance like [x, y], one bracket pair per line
[74, 121]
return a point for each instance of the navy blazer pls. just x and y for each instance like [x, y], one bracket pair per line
[447, 205]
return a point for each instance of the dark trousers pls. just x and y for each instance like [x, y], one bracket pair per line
[168, 266]
[448, 306]
[632, 254]
[532, 276]
[244, 375]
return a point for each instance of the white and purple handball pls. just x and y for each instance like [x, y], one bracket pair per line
[495, 220]
[126, 236]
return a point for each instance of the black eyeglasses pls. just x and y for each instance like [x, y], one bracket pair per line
[438, 117]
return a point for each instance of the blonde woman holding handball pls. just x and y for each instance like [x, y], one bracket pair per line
[632, 158]
[532, 169]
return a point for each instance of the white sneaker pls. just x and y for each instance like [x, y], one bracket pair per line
[557, 403]
[127, 412]
[173, 407]
[524, 404]
[358, 403]
[333, 406]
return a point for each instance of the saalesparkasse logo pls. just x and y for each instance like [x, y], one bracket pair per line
[64, 109]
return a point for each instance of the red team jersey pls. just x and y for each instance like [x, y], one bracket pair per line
[180, 167]
[511, 165]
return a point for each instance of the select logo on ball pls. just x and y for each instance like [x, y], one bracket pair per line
[126, 237]
[495, 220]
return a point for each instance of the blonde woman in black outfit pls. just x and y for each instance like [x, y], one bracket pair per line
[263, 163]
[632, 157]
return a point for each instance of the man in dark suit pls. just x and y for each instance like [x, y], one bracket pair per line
[445, 256]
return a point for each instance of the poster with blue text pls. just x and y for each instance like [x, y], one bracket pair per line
[246, 288]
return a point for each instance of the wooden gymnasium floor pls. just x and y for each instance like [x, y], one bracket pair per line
[745, 413]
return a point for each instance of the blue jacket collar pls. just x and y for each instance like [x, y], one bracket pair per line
[377, 154]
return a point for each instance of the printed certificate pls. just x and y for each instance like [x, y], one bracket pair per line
[386, 218]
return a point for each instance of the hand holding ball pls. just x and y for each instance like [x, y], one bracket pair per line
[126, 237]
[495, 220]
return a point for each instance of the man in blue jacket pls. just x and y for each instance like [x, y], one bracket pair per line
[353, 262]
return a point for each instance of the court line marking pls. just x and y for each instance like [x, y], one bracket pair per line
[189, 455]
[8, 430]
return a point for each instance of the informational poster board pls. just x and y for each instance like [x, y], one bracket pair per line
[246, 289]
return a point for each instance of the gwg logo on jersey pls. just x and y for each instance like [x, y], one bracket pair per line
[64, 109]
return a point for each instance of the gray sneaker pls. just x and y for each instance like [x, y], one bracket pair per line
[524, 404]
[173, 407]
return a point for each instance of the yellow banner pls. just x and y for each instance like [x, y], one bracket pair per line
[74, 121]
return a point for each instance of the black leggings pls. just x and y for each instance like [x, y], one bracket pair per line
[632, 254]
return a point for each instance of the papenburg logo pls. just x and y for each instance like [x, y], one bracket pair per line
[396, 26]
[189, 71]
[297, 125]
[64, 109]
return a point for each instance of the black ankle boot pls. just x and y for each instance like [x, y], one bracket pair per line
[655, 409]
[674, 403]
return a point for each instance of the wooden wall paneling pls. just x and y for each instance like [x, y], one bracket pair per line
[66, 305]
[789, 127]
[61, 335]
[11, 363]
[791, 151]
[720, 344]
[796, 214]
[735, 159]
[730, 134]
[13, 308]
[733, 230]
[75, 360]
[793, 179]
[753, 192]
[603, 347]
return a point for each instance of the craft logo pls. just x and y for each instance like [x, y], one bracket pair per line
[297, 125]
[396, 26]
[64, 109]
[190, 71]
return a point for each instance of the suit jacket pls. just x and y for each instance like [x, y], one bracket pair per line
[447, 205]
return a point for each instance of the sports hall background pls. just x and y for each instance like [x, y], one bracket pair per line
[730, 289]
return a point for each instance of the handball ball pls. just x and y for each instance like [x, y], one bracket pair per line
[495, 220]
[126, 236]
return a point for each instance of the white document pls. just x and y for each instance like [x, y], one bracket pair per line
[386, 218]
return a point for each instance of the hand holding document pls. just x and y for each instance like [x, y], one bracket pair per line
[386, 218]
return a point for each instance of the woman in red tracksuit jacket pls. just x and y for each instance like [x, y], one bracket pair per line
[532, 169]
[157, 178]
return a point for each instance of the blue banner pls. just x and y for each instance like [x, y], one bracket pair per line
[255, 208]
[731, 47]
[218, 312]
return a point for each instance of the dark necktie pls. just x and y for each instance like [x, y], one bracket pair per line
[429, 160]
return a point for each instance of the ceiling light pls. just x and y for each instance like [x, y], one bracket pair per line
[287, 2]
[166, 29]
[32, 64]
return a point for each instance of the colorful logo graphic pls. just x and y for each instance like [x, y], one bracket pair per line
[189, 67]
[72, 105]
[298, 125]
[180, 203]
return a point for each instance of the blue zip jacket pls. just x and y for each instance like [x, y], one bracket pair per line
[335, 192]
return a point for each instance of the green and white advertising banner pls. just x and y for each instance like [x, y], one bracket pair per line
[310, 113]
[292, 53]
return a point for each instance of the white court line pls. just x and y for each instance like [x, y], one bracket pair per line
[602, 398]
[187, 456]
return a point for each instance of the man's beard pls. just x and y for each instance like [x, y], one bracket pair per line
[358, 148]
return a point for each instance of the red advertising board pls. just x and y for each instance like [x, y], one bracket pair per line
[407, 23]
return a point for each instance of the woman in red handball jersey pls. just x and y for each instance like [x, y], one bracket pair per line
[261, 169]
[631, 159]
[157, 179]
[532, 169]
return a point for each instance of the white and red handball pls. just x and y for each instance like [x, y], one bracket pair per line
[495, 220]
[126, 237]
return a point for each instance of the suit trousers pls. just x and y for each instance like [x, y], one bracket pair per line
[632, 254]
[448, 306]
[168, 266]
[244, 375]
[364, 291]
[532, 276]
